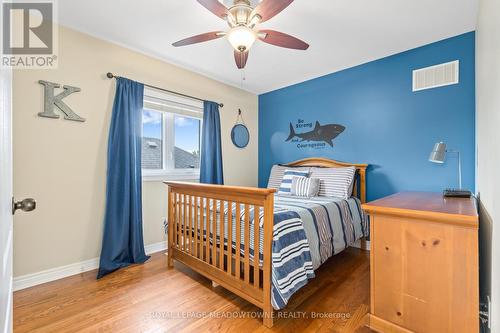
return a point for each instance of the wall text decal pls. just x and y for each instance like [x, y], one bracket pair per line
[51, 100]
[321, 134]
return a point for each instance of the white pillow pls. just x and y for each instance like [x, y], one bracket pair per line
[334, 182]
[305, 187]
[286, 182]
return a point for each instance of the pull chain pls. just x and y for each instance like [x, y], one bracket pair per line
[243, 78]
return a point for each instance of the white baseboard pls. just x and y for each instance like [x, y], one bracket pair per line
[358, 245]
[155, 247]
[30, 280]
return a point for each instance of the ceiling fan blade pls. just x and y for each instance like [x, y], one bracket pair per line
[281, 39]
[241, 58]
[269, 8]
[215, 7]
[199, 38]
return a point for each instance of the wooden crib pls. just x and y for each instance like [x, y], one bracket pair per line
[192, 204]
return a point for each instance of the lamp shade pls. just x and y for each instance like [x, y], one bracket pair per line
[241, 38]
[438, 154]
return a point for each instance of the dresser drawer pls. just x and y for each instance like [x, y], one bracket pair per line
[422, 274]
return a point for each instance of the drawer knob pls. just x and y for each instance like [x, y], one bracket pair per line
[387, 248]
[399, 314]
[424, 243]
[436, 242]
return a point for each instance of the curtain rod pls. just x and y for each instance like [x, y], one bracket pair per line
[111, 76]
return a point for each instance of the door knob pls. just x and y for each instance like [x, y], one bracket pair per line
[26, 205]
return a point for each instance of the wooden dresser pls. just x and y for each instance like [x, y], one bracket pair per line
[424, 263]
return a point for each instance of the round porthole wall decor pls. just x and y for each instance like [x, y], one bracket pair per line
[240, 136]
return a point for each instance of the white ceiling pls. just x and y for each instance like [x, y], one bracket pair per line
[342, 34]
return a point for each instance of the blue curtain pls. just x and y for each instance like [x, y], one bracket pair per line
[211, 148]
[122, 242]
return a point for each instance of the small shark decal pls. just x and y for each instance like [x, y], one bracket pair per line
[324, 133]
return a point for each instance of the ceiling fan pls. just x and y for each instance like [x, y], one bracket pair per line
[242, 19]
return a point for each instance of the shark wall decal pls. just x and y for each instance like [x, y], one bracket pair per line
[324, 133]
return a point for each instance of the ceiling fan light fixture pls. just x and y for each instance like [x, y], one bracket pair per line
[243, 18]
[241, 38]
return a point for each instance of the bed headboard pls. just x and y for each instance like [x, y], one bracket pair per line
[359, 189]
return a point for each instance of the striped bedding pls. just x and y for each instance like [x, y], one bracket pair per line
[307, 231]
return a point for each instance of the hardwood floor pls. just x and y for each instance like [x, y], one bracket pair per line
[152, 298]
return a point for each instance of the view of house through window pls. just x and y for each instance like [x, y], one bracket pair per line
[171, 138]
[187, 142]
[152, 145]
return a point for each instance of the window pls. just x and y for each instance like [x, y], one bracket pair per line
[171, 136]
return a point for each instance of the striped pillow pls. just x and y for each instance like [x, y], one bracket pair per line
[334, 182]
[276, 175]
[305, 187]
[286, 183]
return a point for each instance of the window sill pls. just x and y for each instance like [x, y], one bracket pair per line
[171, 176]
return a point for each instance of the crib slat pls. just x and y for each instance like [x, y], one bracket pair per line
[174, 219]
[199, 219]
[179, 222]
[196, 217]
[247, 244]
[184, 222]
[222, 218]
[215, 216]
[230, 237]
[237, 265]
[210, 233]
[188, 225]
[256, 246]
[202, 228]
[191, 225]
[214, 233]
[207, 230]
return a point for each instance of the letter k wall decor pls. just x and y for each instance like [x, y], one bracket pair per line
[51, 100]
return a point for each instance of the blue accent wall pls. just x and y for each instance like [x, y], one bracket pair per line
[386, 124]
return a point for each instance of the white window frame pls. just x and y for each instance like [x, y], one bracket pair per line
[170, 105]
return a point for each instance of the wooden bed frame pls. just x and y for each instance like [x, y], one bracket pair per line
[230, 269]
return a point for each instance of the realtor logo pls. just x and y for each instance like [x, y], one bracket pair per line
[28, 39]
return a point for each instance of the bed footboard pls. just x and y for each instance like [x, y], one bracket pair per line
[215, 243]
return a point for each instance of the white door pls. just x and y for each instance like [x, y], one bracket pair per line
[6, 234]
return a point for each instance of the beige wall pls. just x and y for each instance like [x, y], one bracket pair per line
[63, 163]
[488, 149]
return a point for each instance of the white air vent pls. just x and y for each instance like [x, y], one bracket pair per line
[436, 76]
